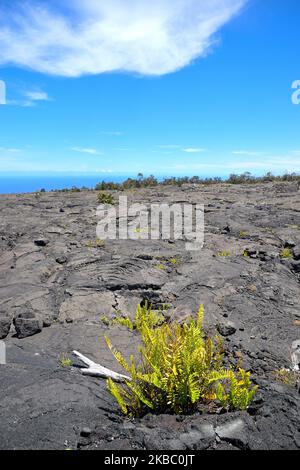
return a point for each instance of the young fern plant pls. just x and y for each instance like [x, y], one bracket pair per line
[178, 370]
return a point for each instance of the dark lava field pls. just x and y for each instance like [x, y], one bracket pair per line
[60, 289]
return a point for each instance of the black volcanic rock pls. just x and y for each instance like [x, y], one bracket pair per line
[41, 242]
[227, 328]
[5, 322]
[296, 253]
[27, 324]
[66, 279]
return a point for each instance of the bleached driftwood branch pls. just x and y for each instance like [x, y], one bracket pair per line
[295, 355]
[96, 370]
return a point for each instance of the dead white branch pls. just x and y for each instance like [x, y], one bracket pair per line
[96, 370]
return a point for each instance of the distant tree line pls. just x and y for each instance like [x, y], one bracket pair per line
[151, 181]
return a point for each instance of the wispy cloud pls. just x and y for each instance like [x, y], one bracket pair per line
[247, 153]
[180, 148]
[92, 37]
[28, 99]
[278, 164]
[112, 133]
[37, 96]
[170, 146]
[90, 151]
[10, 150]
[23, 103]
[193, 150]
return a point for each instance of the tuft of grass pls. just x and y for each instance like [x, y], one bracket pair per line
[106, 198]
[97, 244]
[173, 261]
[243, 234]
[160, 266]
[123, 321]
[105, 320]
[179, 370]
[65, 361]
[224, 254]
[287, 376]
[286, 253]
[252, 288]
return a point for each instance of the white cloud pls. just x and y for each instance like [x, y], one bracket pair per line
[92, 36]
[37, 96]
[278, 164]
[22, 103]
[90, 151]
[10, 150]
[193, 150]
[247, 153]
[29, 98]
[169, 146]
[112, 133]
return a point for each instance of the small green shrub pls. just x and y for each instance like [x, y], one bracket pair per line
[286, 376]
[160, 266]
[286, 253]
[178, 370]
[106, 198]
[123, 321]
[105, 320]
[65, 361]
[243, 234]
[224, 254]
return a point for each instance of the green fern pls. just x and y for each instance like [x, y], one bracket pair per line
[123, 321]
[178, 370]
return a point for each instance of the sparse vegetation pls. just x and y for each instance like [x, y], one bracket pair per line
[130, 184]
[106, 198]
[224, 254]
[151, 181]
[286, 253]
[179, 370]
[156, 318]
[243, 234]
[123, 321]
[97, 244]
[160, 266]
[65, 361]
[105, 320]
[287, 376]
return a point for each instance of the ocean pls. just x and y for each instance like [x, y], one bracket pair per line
[27, 184]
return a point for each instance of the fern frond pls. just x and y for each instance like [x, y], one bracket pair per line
[178, 369]
[116, 391]
[118, 356]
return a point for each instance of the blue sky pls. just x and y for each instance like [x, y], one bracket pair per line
[163, 87]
